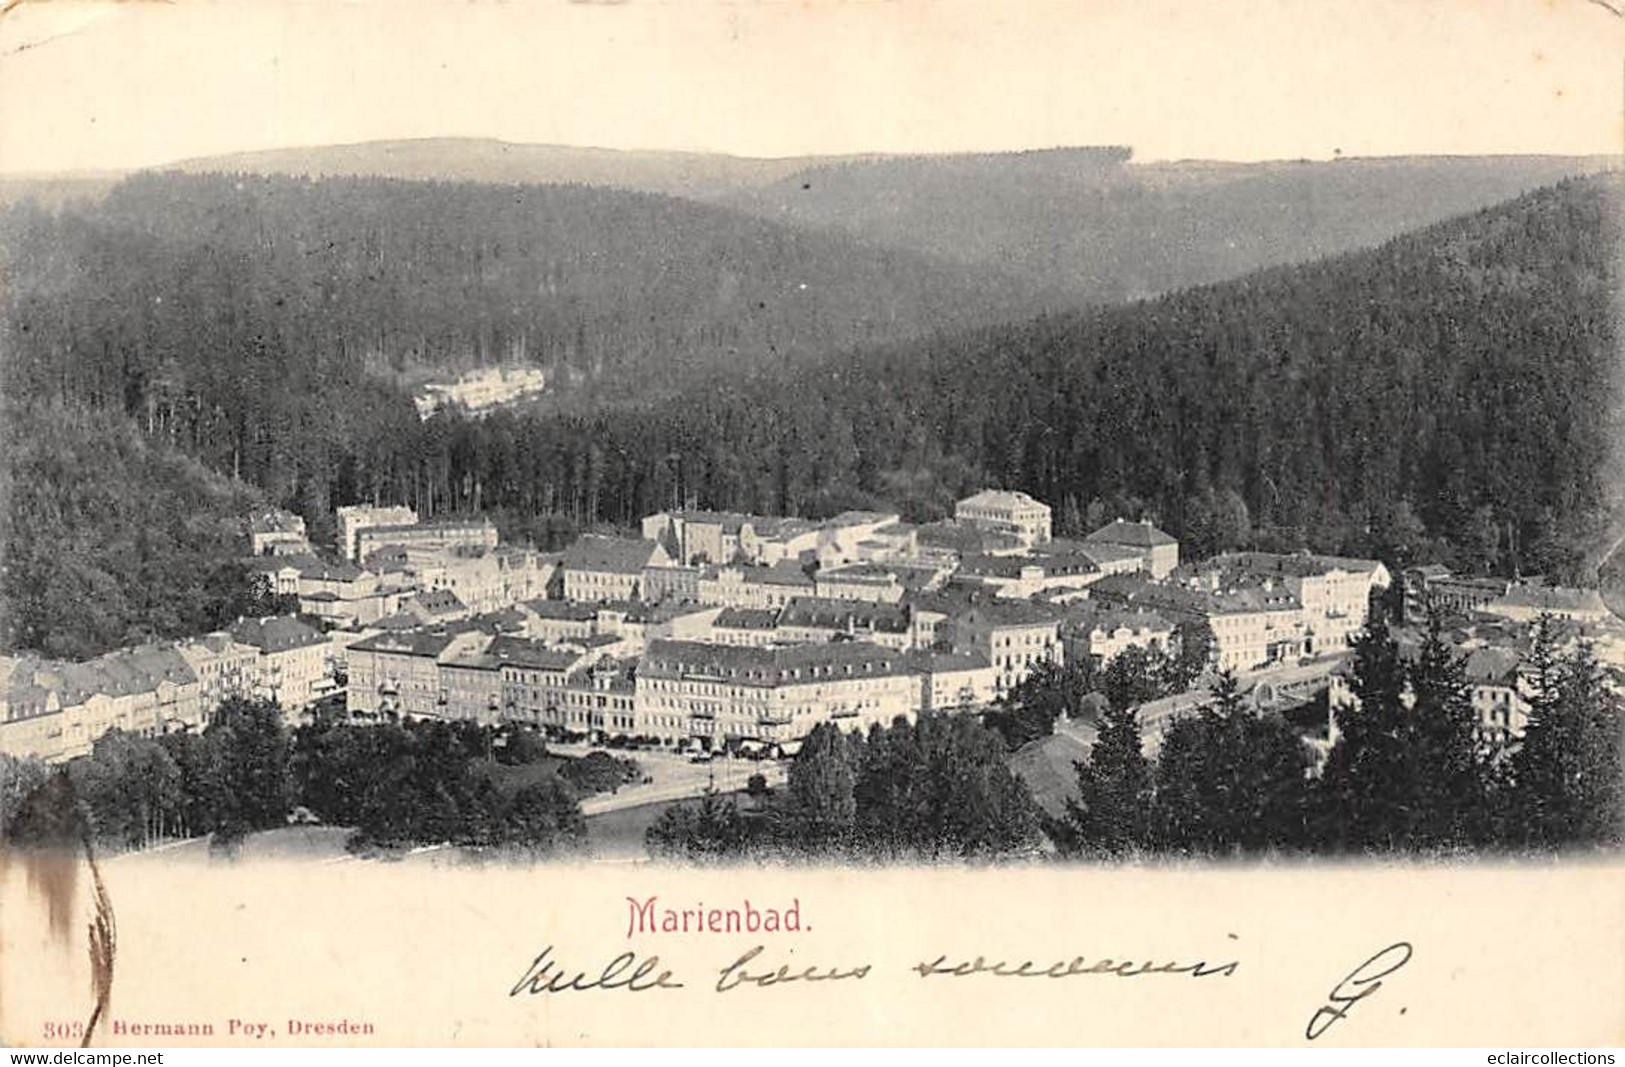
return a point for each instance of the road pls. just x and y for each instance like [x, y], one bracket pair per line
[1613, 592]
[1155, 716]
[675, 778]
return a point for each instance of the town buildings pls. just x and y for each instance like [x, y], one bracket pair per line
[487, 579]
[698, 538]
[1433, 589]
[1335, 592]
[1500, 694]
[1527, 602]
[224, 667]
[609, 568]
[353, 519]
[820, 620]
[1158, 551]
[295, 665]
[1014, 636]
[441, 535]
[1006, 511]
[1093, 633]
[718, 628]
[714, 694]
[400, 673]
[276, 533]
[1027, 575]
[724, 537]
[55, 710]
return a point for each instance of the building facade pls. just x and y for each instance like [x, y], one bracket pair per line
[351, 520]
[1006, 511]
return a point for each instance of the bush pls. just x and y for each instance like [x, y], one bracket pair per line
[522, 746]
[599, 772]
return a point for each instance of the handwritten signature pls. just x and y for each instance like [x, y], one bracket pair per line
[1360, 983]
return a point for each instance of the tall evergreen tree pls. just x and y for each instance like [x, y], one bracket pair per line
[1367, 784]
[1451, 801]
[1111, 815]
[1230, 780]
[1566, 788]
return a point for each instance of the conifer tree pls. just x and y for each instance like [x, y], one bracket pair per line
[1230, 780]
[1566, 775]
[1451, 797]
[1363, 798]
[1112, 813]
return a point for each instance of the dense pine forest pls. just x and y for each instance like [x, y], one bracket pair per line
[174, 281]
[1448, 395]
[112, 538]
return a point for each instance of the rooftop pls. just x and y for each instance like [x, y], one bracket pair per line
[825, 613]
[613, 555]
[1134, 534]
[1552, 598]
[522, 652]
[562, 610]
[730, 521]
[747, 619]
[1095, 616]
[424, 643]
[861, 518]
[1295, 564]
[1491, 665]
[784, 572]
[1003, 499]
[437, 602]
[935, 661]
[772, 665]
[965, 539]
[1003, 612]
[276, 633]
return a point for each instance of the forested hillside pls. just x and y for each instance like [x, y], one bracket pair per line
[109, 537]
[177, 277]
[1451, 395]
[1090, 221]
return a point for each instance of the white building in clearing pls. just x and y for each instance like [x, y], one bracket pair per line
[1006, 511]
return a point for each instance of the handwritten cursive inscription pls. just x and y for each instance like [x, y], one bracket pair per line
[1360, 983]
[1078, 965]
[544, 975]
[737, 974]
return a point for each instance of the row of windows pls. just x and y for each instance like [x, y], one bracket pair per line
[1027, 641]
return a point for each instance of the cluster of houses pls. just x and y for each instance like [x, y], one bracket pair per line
[1493, 623]
[720, 628]
[55, 710]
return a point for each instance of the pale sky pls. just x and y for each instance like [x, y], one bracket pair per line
[87, 85]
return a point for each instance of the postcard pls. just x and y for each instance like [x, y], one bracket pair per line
[912, 524]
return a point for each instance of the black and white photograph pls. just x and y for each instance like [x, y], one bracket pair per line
[832, 443]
